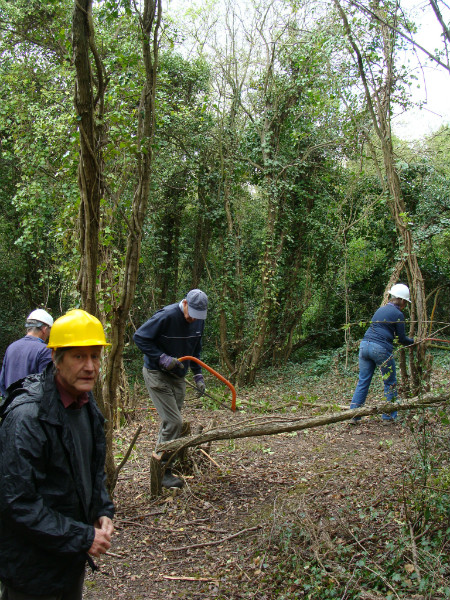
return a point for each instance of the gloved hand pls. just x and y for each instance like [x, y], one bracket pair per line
[169, 362]
[200, 383]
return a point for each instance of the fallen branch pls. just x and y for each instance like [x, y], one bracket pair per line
[226, 539]
[268, 427]
[211, 459]
[134, 523]
[181, 578]
[125, 458]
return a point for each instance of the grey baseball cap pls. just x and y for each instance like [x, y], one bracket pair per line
[197, 302]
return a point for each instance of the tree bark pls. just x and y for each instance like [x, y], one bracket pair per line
[89, 110]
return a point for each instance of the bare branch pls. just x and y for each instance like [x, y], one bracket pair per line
[404, 36]
[249, 429]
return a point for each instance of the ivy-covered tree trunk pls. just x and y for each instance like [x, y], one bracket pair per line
[269, 271]
[149, 22]
[89, 102]
[89, 105]
[420, 362]
[378, 95]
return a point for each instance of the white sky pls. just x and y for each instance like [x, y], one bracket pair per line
[433, 84]
[434, 81]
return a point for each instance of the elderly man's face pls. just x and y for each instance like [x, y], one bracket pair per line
[78, 369]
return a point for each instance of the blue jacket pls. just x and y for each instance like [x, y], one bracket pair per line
[46, 527]
[387, 323]
[168, 332]
[23, 357]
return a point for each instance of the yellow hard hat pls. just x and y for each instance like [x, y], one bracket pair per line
[77, 328]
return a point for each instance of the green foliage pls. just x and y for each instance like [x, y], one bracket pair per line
[363, 258]
[263, 190]
[373, 554]
[34, 183]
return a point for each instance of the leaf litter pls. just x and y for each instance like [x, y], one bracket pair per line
[222, 533]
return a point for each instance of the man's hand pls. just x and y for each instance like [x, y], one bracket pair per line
[200, 383]
[102, 541]
[104, 523]
[169, 362]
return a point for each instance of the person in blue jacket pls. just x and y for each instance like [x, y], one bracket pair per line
[172, 332]
[376, 349]
[29, 354]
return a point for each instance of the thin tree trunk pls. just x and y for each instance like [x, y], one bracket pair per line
[379, 106]
[150, 22]
[89, 109]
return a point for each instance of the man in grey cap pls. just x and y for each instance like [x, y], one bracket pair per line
[29, 354]
[172, 332]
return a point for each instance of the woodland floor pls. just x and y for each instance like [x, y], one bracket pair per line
[222, 534]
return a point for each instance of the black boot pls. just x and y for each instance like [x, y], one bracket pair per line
[169, 480]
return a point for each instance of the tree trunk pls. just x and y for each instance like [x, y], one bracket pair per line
[89, 110]
[150, 22]
[379, 106]
[252, 356]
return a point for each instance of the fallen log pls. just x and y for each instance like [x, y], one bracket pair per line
[272, 426]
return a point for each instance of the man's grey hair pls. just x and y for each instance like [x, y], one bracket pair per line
[58, 355]
[34, 326]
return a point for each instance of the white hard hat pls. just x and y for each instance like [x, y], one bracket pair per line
[400, 290]
[40, 315]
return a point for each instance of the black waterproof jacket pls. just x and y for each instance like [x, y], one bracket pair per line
[168, 332]
[46, 528]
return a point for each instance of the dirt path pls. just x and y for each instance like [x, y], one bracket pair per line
[222, 533]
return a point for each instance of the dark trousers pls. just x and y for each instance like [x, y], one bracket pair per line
[76, 593]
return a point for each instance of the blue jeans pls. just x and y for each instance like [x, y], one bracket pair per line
[373, 355]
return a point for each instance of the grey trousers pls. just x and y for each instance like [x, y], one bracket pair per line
[76, 593]
[167, 393]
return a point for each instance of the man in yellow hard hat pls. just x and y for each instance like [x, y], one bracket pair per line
[55, 512]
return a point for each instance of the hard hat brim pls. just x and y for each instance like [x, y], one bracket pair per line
[78, 345]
